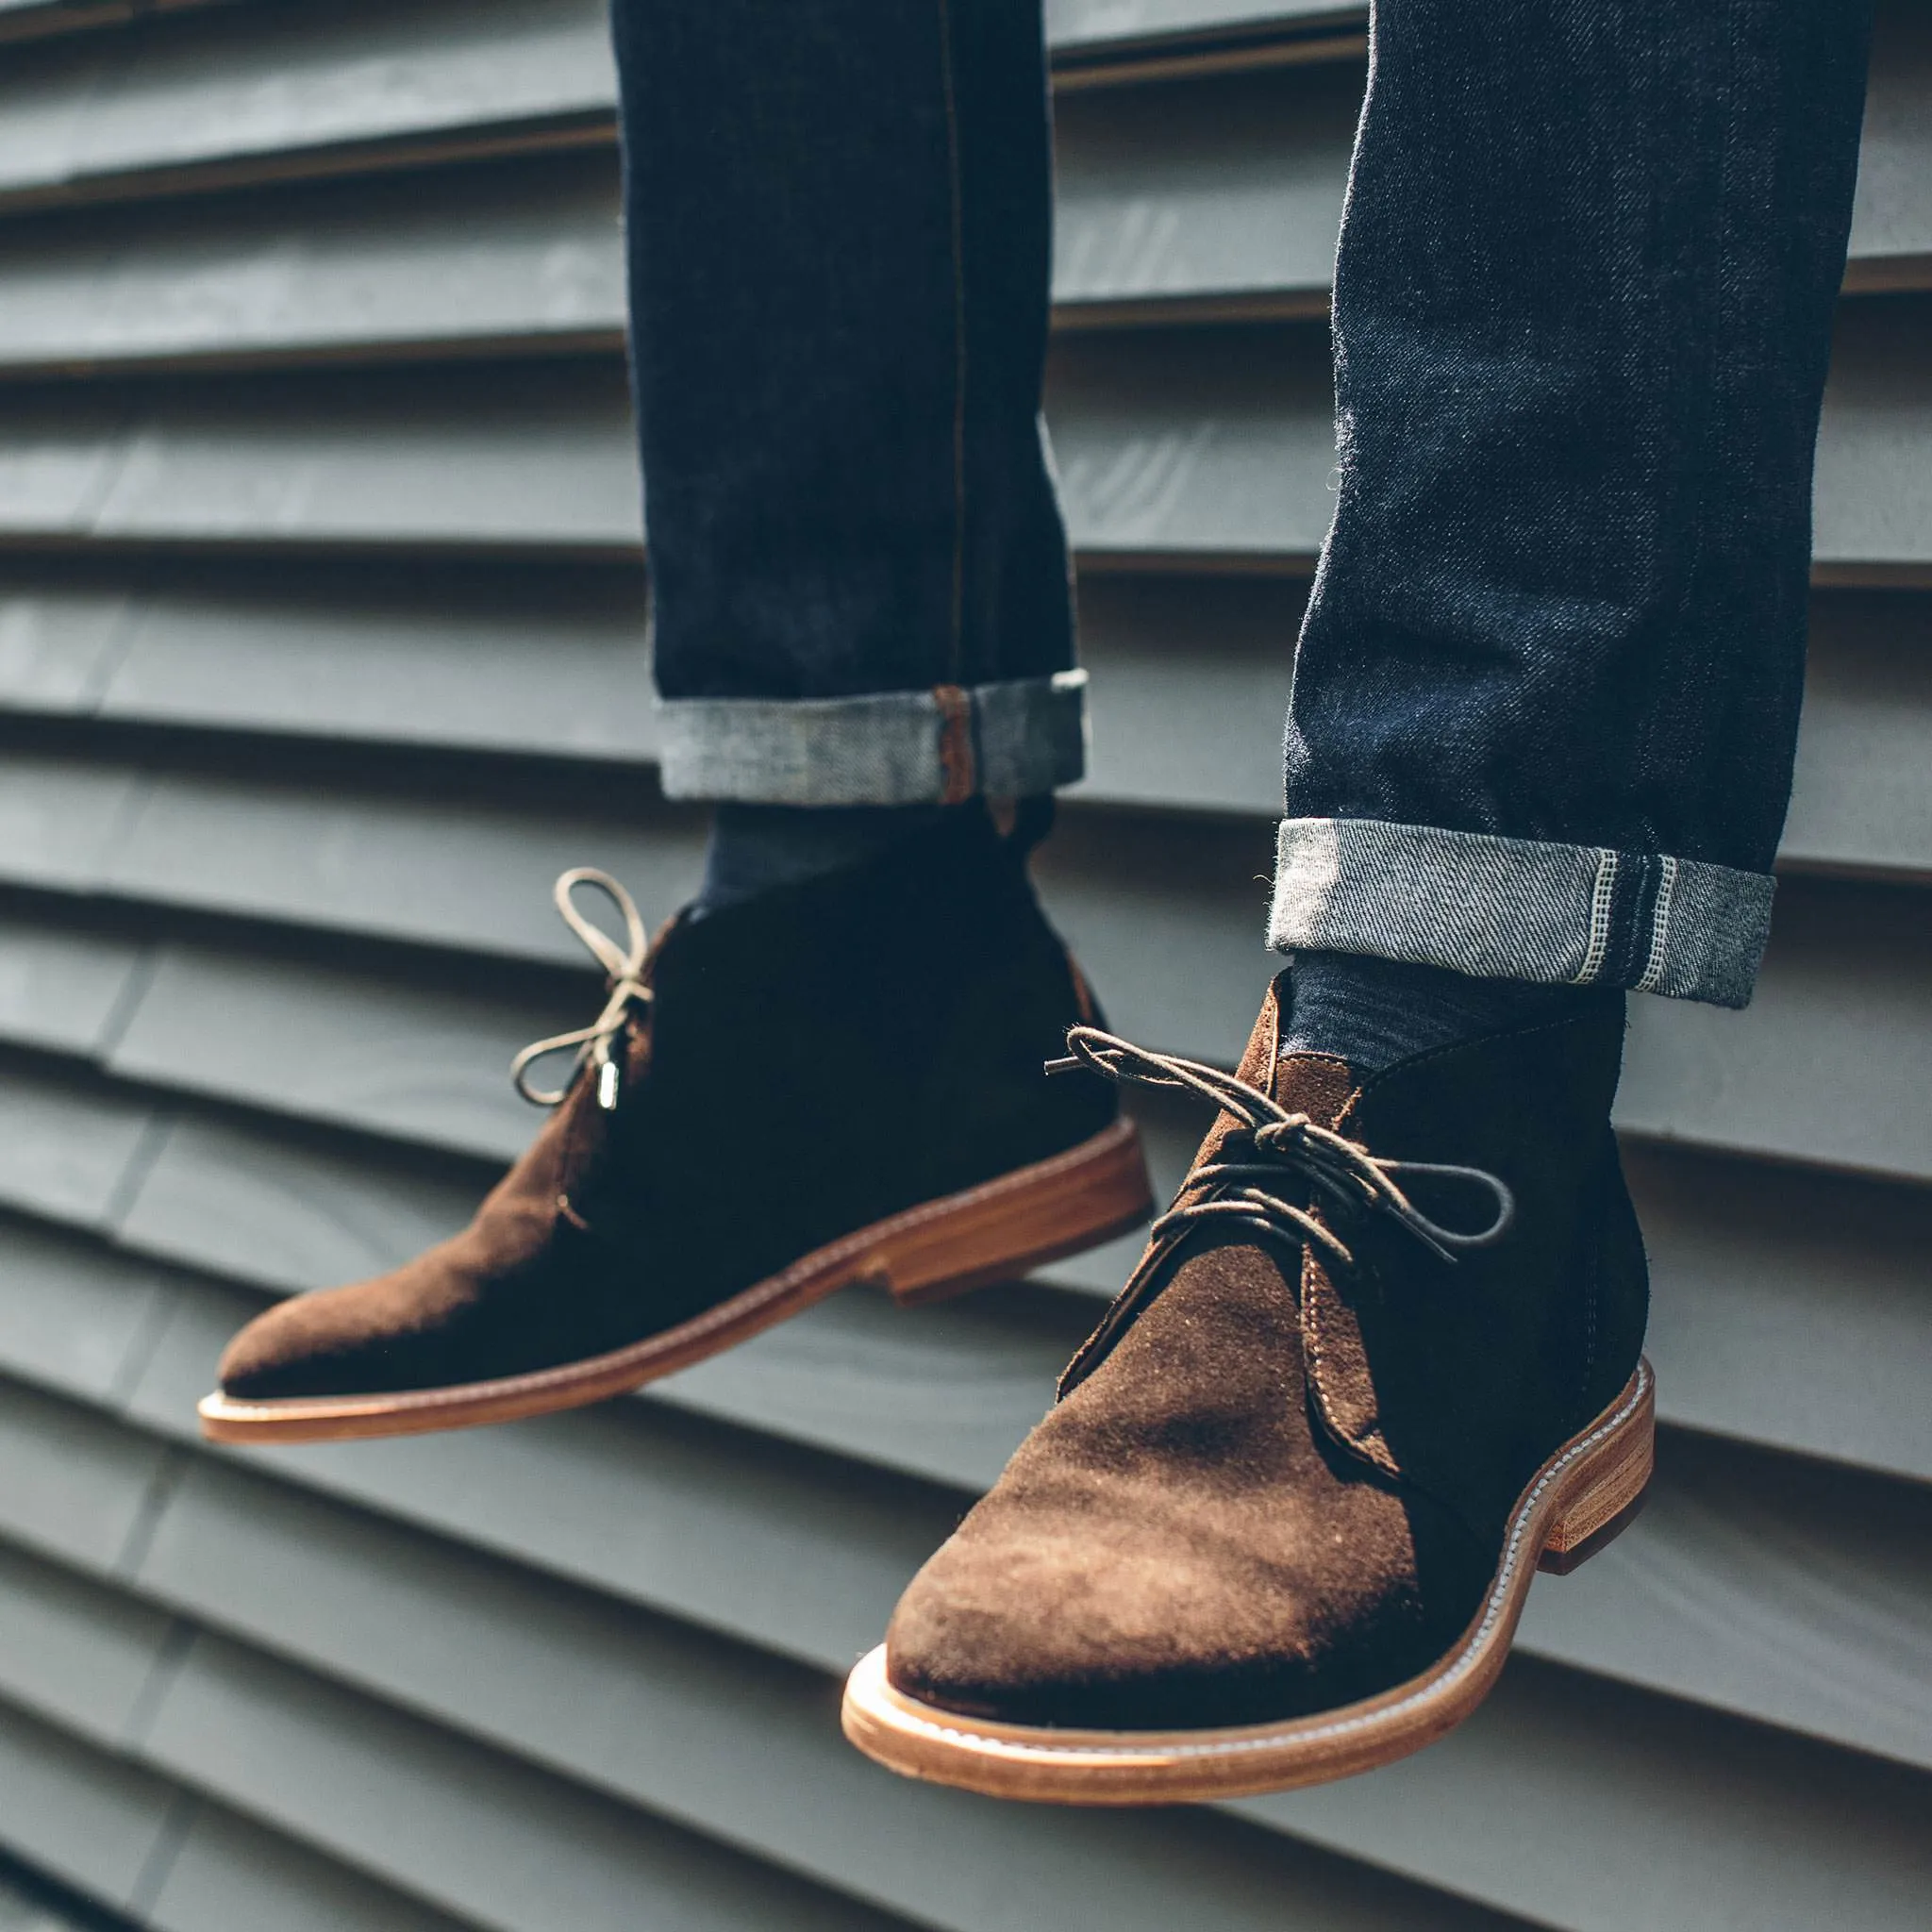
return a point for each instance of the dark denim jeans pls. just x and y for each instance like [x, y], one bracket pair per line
[839, 222]
[1546, 695]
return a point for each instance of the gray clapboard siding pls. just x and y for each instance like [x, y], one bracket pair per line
[1086, 23]
[77, 1317]
[510, 255]
[1836, 1639]
[301, 1571]
[481, 1833]
[84, 1817]
[418, 1061]
[1792, 1535]
[1832, 1061]
[62, 987]
[1828, 1065]
[1221, 195]
[30, 1904]
[1873, 496]
[225, 1873]
[136, 1841]
[1623, 1811]
[273, 89]
[1789, 1307]
[506, 1845]
[1208, 450]
[1891, 220]
[363, 656]
[1189, 681]
[1861, 800]
[262, 91]
[66, 1146]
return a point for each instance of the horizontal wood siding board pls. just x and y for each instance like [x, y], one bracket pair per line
[1828, 1066]
[85, 1818]
[1189, 682]
[306, 1573]
[1004, 1350]
[1721, 1811]
[227, 1873]
[216, 93]
[1215, 446]
[101, 126]
[468, 1828]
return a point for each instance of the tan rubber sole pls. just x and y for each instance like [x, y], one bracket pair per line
[990, 1233]
[1581, 1497]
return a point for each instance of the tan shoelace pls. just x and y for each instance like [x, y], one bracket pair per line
[623, 965]
[1237, 1190]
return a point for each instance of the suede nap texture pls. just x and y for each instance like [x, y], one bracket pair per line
[1266, 1492]
[815, 1059]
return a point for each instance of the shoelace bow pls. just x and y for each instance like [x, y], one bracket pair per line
[1237, 1190]
[623, 967]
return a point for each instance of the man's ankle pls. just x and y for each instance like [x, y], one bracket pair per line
[1372, 1012]
[756, 849]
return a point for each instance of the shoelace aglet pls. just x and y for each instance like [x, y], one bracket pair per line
[606, 1086]
[1069, 1065]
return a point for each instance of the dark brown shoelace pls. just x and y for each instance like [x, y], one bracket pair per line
[1238, 1185]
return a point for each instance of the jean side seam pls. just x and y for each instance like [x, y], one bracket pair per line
[1652, 974]
[955, 646]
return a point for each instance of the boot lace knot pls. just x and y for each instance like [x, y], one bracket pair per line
[592, 1046]
[1237, 1188]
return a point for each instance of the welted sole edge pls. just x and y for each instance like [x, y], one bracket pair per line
[1582, 1495]
[991, 1232]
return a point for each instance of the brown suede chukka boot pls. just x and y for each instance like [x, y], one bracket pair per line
[833, 1082]
[1380, 1361]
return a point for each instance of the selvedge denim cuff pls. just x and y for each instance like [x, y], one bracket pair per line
[939, 746]
[1519, 908]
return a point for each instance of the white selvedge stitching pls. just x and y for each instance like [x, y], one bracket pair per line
[1465, 1662]
[1601, 894]
[1660, 927]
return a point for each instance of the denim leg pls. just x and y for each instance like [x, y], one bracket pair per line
[838, 228]
[1546, 696]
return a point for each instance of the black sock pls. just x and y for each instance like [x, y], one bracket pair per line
[1374, 1013]
[755, 848]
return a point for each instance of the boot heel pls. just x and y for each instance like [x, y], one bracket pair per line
[1023, 1220]
[1605, 1492]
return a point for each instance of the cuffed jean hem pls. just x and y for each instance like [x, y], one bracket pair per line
[1518, 909]
[894, 747]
